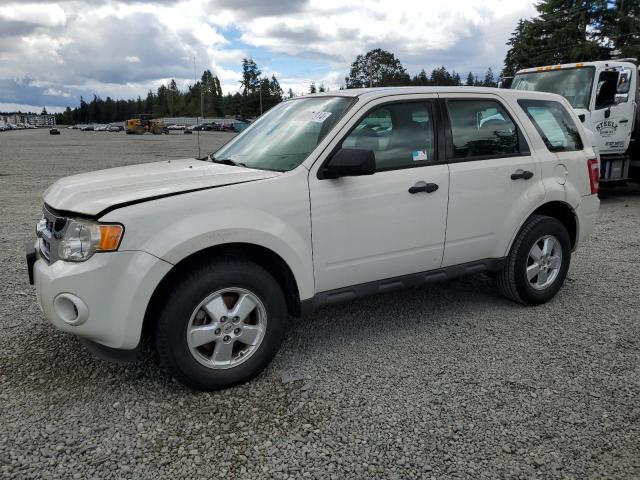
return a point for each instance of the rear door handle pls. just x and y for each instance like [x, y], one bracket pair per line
[423, 187]
[521, 174]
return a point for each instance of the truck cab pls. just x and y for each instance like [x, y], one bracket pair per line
[604, 95]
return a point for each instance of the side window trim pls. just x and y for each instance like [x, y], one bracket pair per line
[436, 114]
[523, 145]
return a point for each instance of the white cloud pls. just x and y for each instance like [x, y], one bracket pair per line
[56, 51]
[338, 30]
[25, 108]
[44, 14]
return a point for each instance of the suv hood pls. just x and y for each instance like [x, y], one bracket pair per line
[93, 192]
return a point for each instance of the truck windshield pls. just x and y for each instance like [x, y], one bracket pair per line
[574, 84]
[282, 138]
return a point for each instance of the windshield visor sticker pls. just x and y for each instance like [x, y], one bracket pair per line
[419, 155]
[313, 116]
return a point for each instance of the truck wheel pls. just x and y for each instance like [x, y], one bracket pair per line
[221, 325]
[538, 262]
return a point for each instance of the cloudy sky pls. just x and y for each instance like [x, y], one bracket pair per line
[53, 52]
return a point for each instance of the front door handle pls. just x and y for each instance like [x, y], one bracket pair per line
[423, 187]
[521, 174]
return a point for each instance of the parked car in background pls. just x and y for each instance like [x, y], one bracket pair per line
[239, 126]
[115, 128]
[205, 127]
[324, 198]
[87, 128]
[54, 131]
[224, 127]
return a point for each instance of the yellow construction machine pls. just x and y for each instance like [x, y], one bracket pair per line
[143, 123]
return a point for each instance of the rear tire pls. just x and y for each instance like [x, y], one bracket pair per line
[531, 275]
[207, 338]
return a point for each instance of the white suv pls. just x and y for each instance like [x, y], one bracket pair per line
[325, 198]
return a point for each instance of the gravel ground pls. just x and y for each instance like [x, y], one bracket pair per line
[446, 381]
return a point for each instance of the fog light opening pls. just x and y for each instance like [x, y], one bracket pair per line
[71, 309]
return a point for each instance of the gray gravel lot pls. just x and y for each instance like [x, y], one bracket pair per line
[446, 381]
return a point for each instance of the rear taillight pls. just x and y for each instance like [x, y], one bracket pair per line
[594, 174]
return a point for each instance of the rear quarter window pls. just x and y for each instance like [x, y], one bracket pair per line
[554, 124]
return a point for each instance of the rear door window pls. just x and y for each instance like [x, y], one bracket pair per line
[481, 128]
[554, 124]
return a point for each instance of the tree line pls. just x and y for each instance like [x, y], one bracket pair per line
[379, 68]
[257, 93]
[203, 98]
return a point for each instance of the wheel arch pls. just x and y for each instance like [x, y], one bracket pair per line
[561, 211]
[258, 254]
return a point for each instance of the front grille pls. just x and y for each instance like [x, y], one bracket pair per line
[49, 230]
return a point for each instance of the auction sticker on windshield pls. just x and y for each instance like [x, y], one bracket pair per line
[318, 116]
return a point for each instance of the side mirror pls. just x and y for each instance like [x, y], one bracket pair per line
[582, 117]
[350, 162]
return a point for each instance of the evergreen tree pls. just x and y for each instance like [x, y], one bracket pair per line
[421, 79]
[569, 31]
[470, 80]
[312, 88]
[489, 80]
[251, 85]
[275, 91]
[621, 26]
[173, 94]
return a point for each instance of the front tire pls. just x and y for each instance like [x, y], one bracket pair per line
[221, 325]
[538, 262]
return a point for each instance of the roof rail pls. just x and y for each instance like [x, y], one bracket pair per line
[630, 59]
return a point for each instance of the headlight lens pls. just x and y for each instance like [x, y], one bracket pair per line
[82, 238]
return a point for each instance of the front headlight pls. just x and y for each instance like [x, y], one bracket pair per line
[82, 238]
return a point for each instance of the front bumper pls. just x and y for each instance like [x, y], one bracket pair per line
[104, 299]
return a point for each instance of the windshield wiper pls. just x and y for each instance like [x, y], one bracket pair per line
[226, 161]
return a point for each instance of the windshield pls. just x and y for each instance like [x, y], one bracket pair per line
[282, 138]
[574, 84]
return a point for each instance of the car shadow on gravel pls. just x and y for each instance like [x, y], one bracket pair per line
[462, 302]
